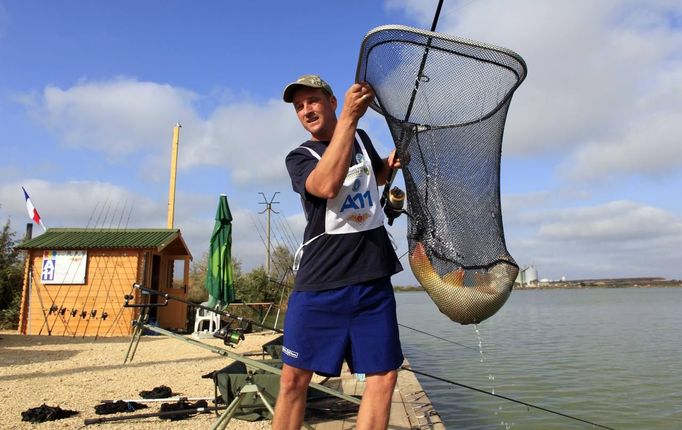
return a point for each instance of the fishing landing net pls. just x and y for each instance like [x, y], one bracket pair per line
[445, 100]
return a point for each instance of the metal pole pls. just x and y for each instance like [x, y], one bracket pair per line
[25, 315]
[267, 259]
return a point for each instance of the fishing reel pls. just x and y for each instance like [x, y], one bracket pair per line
[148, 293]
[394, 204]
[231, 336]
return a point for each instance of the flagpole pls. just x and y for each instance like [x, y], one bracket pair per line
[173, 172]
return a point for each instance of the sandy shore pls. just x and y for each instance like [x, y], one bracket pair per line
[76, 374]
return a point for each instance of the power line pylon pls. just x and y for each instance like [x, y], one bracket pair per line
[268, 209]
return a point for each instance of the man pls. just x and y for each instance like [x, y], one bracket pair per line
[342, 306]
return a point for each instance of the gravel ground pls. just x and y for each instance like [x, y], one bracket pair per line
[76, 374]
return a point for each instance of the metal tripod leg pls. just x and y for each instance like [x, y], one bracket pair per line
[137, 334]
[227, 415]
[224, 419]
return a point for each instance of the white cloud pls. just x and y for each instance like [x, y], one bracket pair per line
[95, 204]
[249, 140]
[646, 144]
[593, 70]
[79, 204]
[617, 238]
[512, 203]
[650, 146]
[116, 118]
[126, 117]
[417, 9]
[614, 222]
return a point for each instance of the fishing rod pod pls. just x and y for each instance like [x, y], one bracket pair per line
[128, 298]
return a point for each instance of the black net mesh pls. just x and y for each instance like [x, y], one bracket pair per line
[445, 101]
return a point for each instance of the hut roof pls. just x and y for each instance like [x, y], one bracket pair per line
[84, 238]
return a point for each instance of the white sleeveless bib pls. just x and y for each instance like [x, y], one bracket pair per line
[356, 207]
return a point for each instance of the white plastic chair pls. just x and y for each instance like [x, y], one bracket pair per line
[205, 321]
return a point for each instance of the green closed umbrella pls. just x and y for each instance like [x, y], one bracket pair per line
[219, 282]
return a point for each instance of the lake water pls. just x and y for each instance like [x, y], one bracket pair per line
[610, 356]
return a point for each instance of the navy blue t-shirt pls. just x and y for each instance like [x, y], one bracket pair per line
[337, 260]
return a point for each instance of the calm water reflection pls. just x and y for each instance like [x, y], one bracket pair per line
[611, 356]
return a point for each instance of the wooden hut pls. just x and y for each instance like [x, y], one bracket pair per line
[75, 280]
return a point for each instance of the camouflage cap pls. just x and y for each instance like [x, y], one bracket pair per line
[311, 81]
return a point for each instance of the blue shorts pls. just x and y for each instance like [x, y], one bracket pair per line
[357, 323]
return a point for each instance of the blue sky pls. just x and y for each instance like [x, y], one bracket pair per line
[90, 91]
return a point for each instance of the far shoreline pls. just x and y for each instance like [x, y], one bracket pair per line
[580, 284]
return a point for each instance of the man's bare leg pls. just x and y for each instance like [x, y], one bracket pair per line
[290, 406]
[376, 401]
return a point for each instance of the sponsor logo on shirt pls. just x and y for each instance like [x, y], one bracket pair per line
[358, 218]
[358, 171]
[290, 353]
[356, 185]
[357, 201]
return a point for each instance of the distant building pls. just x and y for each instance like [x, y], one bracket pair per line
[527, 277]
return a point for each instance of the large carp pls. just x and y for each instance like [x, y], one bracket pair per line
[462, 303]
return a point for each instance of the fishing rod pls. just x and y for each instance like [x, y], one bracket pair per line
[168, 297]
[122, 308]
[165, 399]
[438, 337]
[104, 315]
[280, 283]
[385, 200]
[164, 414]
[61, 310]
[73, 312]
[506, 398]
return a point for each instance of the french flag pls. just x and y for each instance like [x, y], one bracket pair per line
[32, 212]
